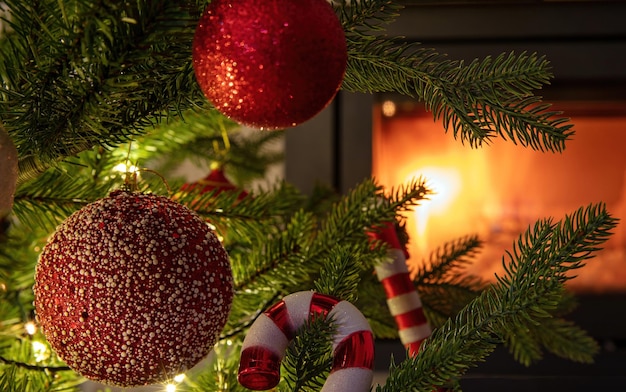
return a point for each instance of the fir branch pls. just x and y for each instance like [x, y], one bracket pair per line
[366, 15]
[522, 345]
[221, 373]
[447, 260]
[565, 339]
[56, 194]
[404, 197]
[18, 257]
[341, 273]
[442, 282]
[309, 359]
[265, 270]
[18, 370]
[47, 209]
[282, 251]
[345, 224]
[166, 139]
[478, 101]
[307, 244]
[39, 368]
[88, 74]
[526, 295]
[551, 250]
[366, 207]
[249, 157]
[17, 379]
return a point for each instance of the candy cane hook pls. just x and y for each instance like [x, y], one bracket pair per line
[266, 342]
[403, 300]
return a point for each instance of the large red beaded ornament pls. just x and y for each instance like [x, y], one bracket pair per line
[133, 289]
[269, 63]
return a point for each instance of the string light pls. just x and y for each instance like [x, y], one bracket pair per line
[40, 351]
[170, 388]
[179, 378]
[123, 168]
[30, 328]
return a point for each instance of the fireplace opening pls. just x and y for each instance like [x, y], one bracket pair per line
[499, 190]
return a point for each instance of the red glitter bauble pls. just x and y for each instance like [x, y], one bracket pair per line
[269, 63]
[133, 289]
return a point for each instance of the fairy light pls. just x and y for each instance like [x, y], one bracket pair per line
[177, 379]
[40, 351]
[124, 168]
[30, 328]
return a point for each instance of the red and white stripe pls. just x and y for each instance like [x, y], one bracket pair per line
[403, 300]
[266, 342]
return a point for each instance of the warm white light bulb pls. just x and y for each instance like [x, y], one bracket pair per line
[40, 351]
[122, 168]
[179, 377]
[170, 388]
[30, 328]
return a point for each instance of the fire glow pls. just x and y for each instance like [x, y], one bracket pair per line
[499, 190]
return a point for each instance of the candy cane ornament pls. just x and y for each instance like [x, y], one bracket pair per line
[266, 342]
[403, 300]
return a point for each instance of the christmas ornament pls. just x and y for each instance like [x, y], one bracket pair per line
[132, 289]
[269, 336]
[215, 181]
[403, 300]
[8, 172]
[272, 63]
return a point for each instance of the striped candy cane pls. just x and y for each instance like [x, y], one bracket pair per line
[403, 300]
[270, 334]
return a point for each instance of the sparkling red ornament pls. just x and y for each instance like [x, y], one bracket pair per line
[133, 289]
[269, 63]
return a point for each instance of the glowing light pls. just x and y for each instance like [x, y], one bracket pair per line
[40, 351]
[30, 328]
[445, 184]
[170, 388]
[123, 168]
[179, 377]
[388, 108]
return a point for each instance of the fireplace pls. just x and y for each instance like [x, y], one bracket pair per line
[500, 190]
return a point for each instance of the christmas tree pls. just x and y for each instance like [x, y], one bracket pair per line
[100, 97]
